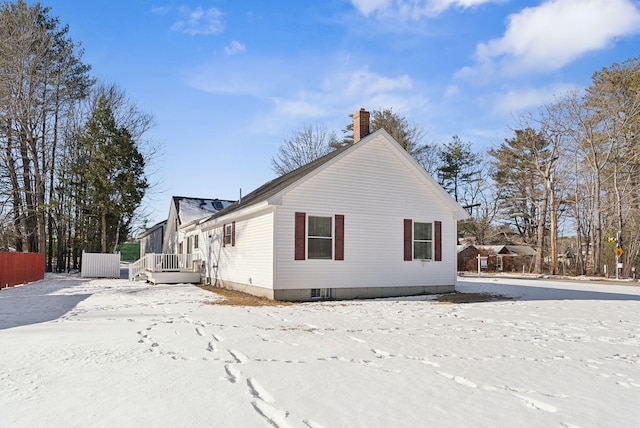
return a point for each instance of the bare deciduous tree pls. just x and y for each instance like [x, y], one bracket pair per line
[304, 146]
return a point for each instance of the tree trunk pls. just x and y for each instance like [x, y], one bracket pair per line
[103, 228]
[542, 217]
[597, 226]
[15, 193]
[553, 236]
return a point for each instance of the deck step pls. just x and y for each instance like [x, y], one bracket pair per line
[140, 277]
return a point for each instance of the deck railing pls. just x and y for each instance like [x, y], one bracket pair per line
[163, 263]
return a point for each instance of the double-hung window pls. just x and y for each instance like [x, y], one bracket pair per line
[422, 241]
[227, 234]
[320, 237]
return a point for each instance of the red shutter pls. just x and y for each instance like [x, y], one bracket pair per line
[408, 239]
[437, 240]
[224, 235]
[339, 240]
[233, 233]
[300, 227]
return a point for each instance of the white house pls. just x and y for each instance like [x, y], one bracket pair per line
[185, 210]
[363, 221]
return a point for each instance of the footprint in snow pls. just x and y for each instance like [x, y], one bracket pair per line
[269, 339]
[536, 404]
[210, 347]
[381, 354]
[312, 424]
[238, 357]
[232, 373]
[217, 338]
[430, 363]
[258, 391]
[357, 339]
[459, 380]
[199, 332]
[277, 417]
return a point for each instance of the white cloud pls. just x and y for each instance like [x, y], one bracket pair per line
[523, 99]
[216, 80]
[235, 48]
[300, 92]
[199, 22]
[451, 91]
[412, 9]
[366, 7]
[549, 36]
[365, 83]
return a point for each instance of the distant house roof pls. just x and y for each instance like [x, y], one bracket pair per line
[189, 209]
[461, 247]
[515, 250]
[278, 184]
[521, 250]
[152, 229]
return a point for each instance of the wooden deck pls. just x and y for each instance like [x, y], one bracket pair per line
[166, 269]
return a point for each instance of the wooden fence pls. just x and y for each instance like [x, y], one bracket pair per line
[20, 268]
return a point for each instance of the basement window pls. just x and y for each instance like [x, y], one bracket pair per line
[320, 293]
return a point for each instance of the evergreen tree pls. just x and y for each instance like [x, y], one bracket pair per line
[114, 172]
[458, 167]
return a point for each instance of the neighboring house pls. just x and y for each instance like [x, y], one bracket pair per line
[508, 258]
[151, 239]
[363, 221]
[467, 258]
[185, 210]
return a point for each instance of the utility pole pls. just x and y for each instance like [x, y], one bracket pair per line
[618, 252]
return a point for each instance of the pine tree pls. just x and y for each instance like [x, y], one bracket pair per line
[114, 172]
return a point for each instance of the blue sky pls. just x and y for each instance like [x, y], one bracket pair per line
[228, 80]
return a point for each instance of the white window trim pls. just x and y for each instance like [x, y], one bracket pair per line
[430, 241]
[331, 238]
[228, 227]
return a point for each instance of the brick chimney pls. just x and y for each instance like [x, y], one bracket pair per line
[360, 124]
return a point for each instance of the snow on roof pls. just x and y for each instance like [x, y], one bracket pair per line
[190, 209]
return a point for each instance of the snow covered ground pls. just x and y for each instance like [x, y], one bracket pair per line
[113, 353]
